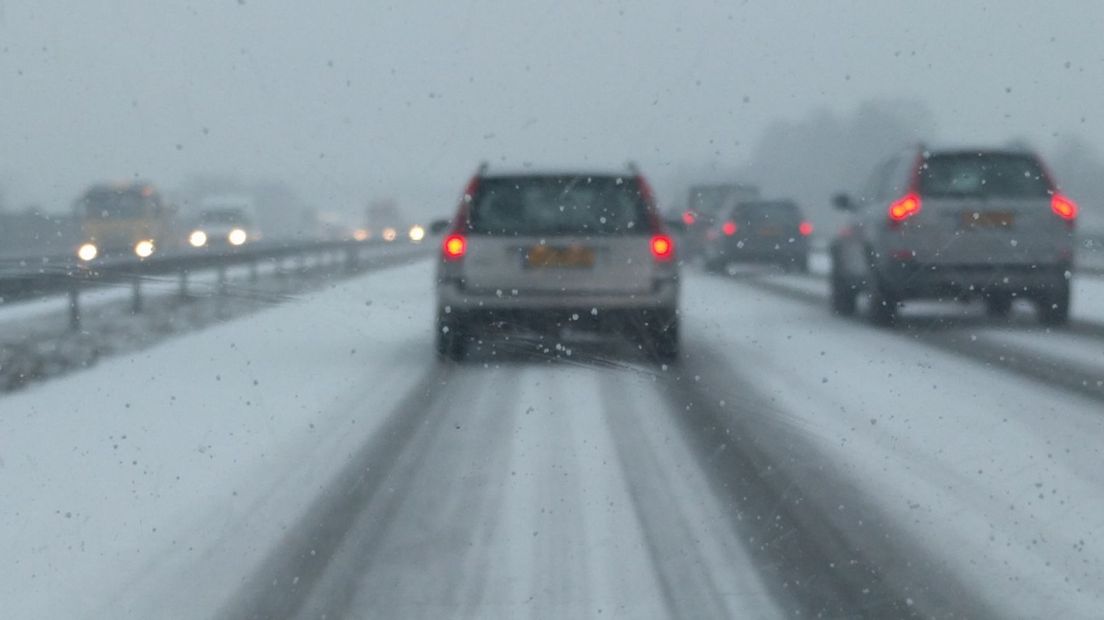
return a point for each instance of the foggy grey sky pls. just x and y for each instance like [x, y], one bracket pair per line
[363, 99]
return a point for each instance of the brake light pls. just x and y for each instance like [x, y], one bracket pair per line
[904, 208]
[1063, 207]
[455, 246]
[662, 247]
[689, 218]
[805, 228]
[729, 228]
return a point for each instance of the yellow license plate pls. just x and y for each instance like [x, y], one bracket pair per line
[570, 257]
[988, 219]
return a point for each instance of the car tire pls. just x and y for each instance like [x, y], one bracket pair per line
[843, 297]
[883, 306]
[1054, 304]
[998, 305]
[451, 338]
[662, 329]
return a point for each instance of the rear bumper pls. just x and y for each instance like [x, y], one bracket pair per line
[907, 279]
[759, 251]
[450, 295]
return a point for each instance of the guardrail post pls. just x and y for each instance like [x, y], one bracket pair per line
[350, 259]
[136, 294]
[74, 303]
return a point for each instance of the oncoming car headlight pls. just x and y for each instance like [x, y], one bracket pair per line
[389, 234]
[87, 252]
[144, 248]
[237, 236]
[417, 233]
[197, 239]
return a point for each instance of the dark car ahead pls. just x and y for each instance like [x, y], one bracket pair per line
[957, 224]
[762, 231]
[705, 207]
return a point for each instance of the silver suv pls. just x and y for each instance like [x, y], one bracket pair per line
[553, 251]
[956, 224]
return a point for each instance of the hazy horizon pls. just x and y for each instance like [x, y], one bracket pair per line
[352, 103]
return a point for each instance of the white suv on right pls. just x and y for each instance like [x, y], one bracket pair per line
[953, 224]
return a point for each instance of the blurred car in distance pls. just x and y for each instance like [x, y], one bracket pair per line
[761, 231]
[123, 219]
[703, 209]
[549, 251]
[956, 224]
[225, 221]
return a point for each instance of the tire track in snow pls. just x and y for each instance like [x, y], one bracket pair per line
[285, 579]
[703, 570]
[822, 548]
[417, 550]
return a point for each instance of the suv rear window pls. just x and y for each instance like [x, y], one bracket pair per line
[782, 212]
[558, 205]
[972, 174]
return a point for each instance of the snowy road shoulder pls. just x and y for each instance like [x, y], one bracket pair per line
[180, 464]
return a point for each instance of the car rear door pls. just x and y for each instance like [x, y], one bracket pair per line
[984, 209]
[988, 231]
[559, 235]
[559, 264]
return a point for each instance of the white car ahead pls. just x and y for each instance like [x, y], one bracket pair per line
[549, 251]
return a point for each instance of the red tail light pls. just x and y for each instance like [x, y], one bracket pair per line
[1063, 207]
[805, 228]
[455, 246]
[729, 228]
[689, 218]
[904, 208]
[663, 248]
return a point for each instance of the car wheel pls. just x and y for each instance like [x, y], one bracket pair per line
[451, 338]
[1054, 304]
[843, 297]
[883, 306]
[662, 331]
[998, 305]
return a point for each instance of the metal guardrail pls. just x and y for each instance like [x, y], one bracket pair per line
[30, 278]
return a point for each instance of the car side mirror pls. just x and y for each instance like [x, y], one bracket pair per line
[843, 202]
[437, 227]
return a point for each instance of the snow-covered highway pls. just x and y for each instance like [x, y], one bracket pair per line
[317, 460]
